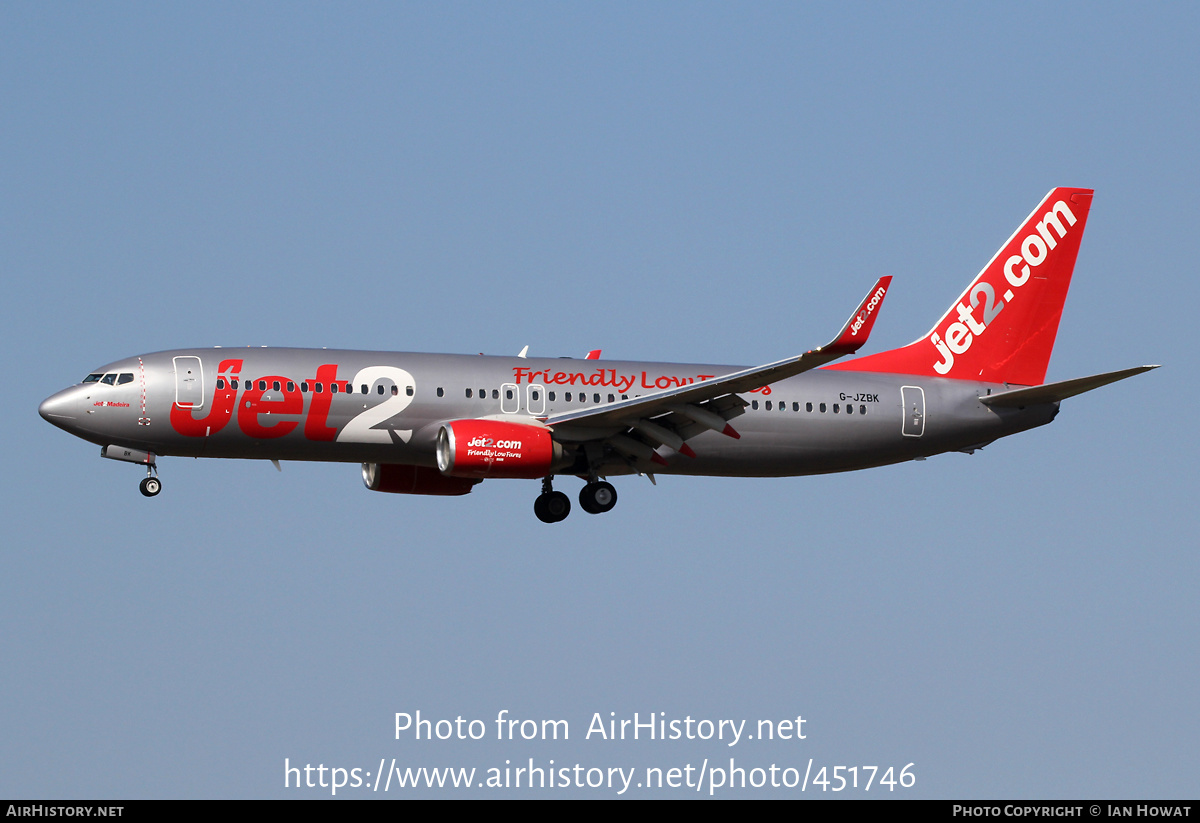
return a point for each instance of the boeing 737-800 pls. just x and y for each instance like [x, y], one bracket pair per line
[440, 423]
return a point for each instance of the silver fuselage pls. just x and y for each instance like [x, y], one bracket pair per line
[184, 403]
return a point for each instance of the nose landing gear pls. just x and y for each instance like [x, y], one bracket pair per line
[150, 486]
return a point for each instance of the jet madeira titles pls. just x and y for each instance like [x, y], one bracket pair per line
[438, 424]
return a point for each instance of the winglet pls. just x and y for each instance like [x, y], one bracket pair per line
[594, 354]
[858, 328]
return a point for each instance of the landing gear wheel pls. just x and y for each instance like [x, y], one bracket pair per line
[598, 497]
[552, 507]
[150, 486]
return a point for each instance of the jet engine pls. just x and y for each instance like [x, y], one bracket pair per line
[494, 448]
[400, 479]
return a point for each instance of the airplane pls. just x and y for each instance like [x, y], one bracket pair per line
[438, 424]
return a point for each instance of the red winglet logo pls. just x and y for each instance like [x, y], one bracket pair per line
[858, 327]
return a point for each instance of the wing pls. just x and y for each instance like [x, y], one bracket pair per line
[672, 416]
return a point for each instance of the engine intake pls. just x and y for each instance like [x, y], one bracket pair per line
[494, 448]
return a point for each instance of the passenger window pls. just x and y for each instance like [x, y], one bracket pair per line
[862, 409]
[364, 388]
[303, 387]
[822, 408]
[483, 394]
[127, 377]
[275, 385]
[220, 382]
[508, 395]
[551, 397]
[849, 409]
[568, 396]
[408, 390]
[333, 388]
[768, 405]
[319, 388]
[536, 395]
[835, 408]
[262, 385]
[441, 392]
[795, 407]
[234, 382]
[395, 391]
[596, 398]
[754, 405]
[109, 379]
[611, 398]
[291, 386]
[468, 394]
[495, 394]
[624, 397]
[808, 407]
[379, 389]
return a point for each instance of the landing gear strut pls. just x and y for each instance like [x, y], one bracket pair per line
[597, 497]
[551, 506]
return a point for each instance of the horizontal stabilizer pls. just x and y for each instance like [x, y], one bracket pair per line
[1053, 392]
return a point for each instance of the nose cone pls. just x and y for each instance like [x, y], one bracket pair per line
[61, 409]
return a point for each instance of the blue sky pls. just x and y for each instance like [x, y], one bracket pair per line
[686, 182]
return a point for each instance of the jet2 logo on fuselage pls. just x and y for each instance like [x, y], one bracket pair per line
[273, 406]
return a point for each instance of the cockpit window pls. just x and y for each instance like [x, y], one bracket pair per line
[126, 377]
[92, 378]
[108, 379]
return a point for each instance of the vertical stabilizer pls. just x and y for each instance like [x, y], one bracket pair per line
[1002, 328]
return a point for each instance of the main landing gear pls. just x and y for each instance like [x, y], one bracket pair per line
[596, 497]
[551, 506]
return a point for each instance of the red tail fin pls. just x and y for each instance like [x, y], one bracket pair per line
[1002, 328]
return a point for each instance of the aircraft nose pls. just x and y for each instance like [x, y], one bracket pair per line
[60, 408]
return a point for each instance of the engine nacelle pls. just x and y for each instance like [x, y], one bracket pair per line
[495, 448]
[399, 479]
